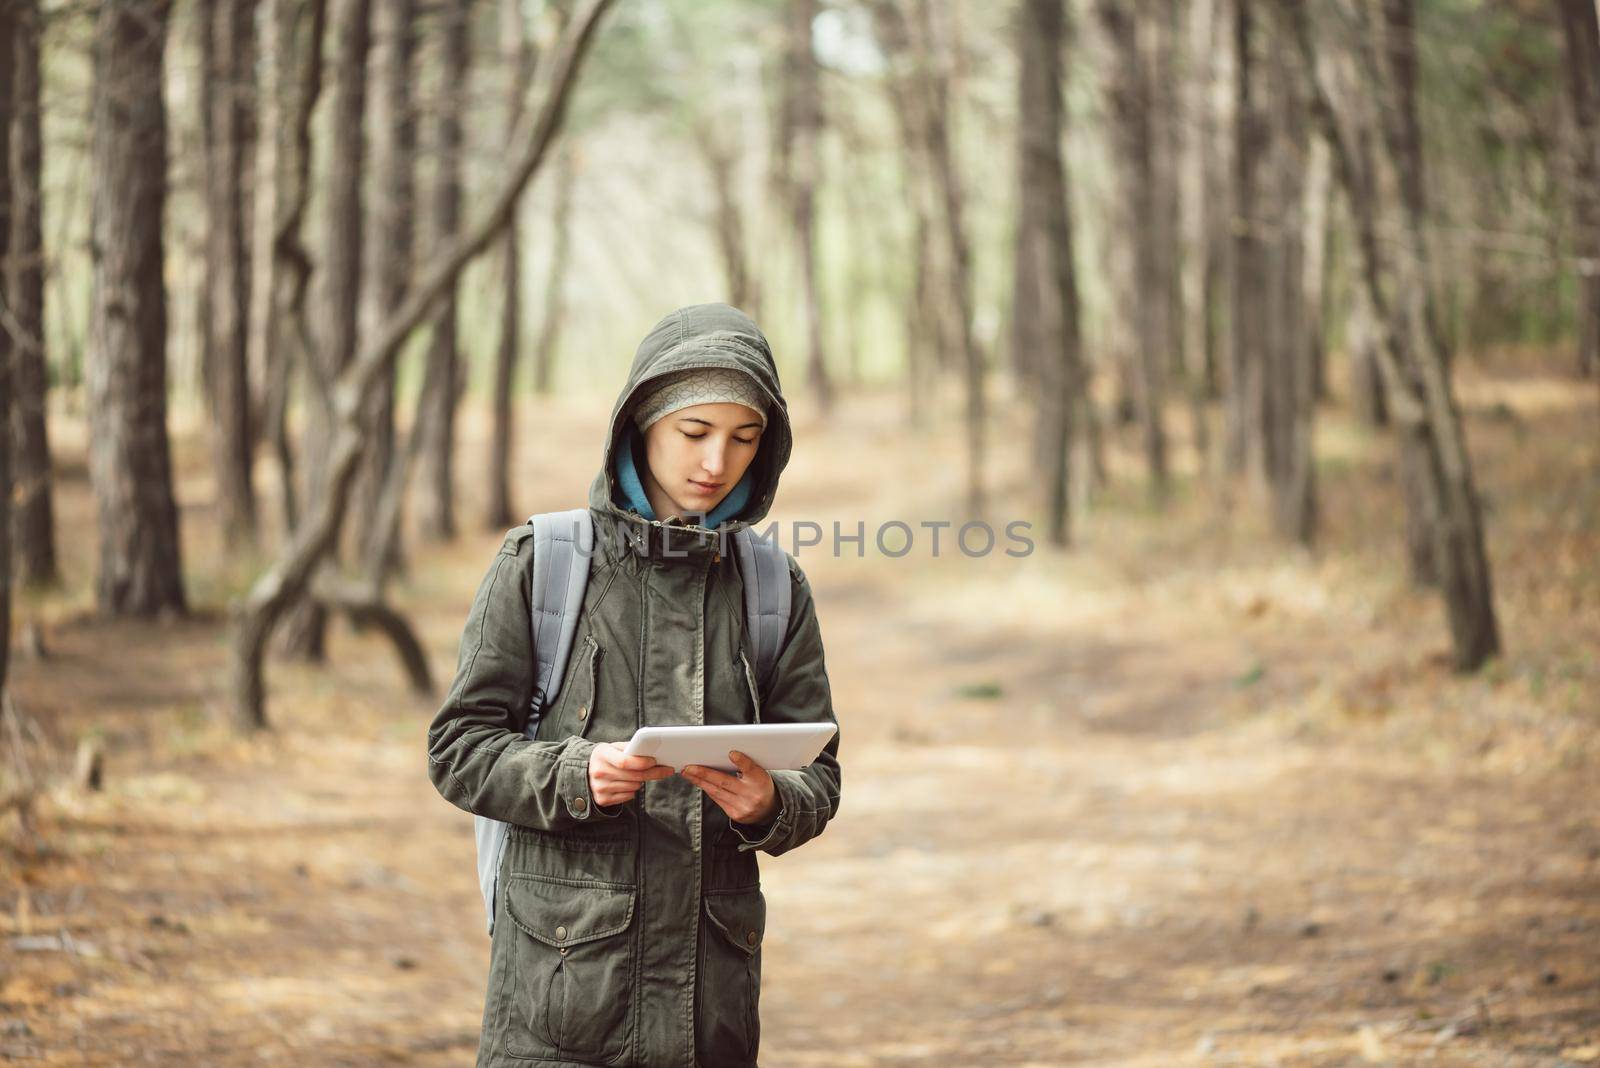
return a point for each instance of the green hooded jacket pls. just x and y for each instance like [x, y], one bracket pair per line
[635, 931]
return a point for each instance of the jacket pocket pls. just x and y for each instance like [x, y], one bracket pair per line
[572, 967]
[579, 690]
[728, 1030]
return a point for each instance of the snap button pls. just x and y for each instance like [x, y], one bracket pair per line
[751, 937]
[583, 712]
[579, 804]
[561, 934]
[563, 951]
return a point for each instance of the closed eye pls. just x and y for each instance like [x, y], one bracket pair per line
[697, 437]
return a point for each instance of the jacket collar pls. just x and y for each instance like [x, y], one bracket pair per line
[621, 532]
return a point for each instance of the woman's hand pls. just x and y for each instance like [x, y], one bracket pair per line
[614, 778]
[748, 797]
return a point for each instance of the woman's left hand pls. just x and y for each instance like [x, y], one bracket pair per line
[748, 797]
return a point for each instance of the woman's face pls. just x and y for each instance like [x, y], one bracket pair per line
[697, 455]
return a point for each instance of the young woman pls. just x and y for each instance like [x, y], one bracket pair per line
[630, 912]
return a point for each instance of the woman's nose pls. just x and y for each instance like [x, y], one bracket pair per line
[712, 461]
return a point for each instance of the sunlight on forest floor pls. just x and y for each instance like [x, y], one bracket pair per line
[1183, 795]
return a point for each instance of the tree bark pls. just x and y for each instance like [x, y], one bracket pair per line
[1045, 305]
[804, 169]
[33, 518]
[1580, 25]
[722, 166]
[294, 38]
[389, 240]
[1314, 278]
[1283, 423]
[518, 58]
[1415, 370]
[936, 111]
[289, 578]
[1366, 379]
[130, 465]
[338, 287]
[1247, 264]
[10, 38]
[228, 33]
[551, 320]
[1203, 190]
[272, 119]
[436, 517]
[1198, 191]
[1135, 135]
[906, 94]
[1451, 493]
[1160, 31]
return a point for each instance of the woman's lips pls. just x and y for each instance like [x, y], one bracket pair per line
[705, 487]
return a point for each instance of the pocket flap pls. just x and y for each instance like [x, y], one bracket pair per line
[741, 917]
[560, 912]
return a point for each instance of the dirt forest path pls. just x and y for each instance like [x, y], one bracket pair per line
[1179, 798]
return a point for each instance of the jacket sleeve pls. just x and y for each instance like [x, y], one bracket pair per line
[478, 757]
[808, 797]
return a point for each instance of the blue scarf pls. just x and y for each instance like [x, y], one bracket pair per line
[633, 490]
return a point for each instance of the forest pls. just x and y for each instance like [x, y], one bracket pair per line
[1274, 323]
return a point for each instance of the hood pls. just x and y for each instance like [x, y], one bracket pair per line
[700, 335]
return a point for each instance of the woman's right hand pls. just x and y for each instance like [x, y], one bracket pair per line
[614, 778]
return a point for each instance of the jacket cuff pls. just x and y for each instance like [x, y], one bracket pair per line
[765, 834]
[756, 833]
[572, 780]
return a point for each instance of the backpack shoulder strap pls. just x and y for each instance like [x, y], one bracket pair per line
[563, 542]
[764, 569]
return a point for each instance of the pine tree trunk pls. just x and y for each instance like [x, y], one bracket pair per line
[554, 313]
[804, 160]
[1200, 193]
[1248, 265]
[498, 513]
[1197, 195]
[1580, 24]
[9, 42]
[1284, 420]
[518, 59]
[1045, 315]
[293, 60]
[391, 124]
[941, 154]
[1135, 135]
[1451, 494]
[1314, 279]
[906, 95]
[227, 32]
[338, 290]
[130, 465]
[721, 163]
[1442, 495]
[1367, 393]
[1159, 32]
[33, 520]
[436, 492]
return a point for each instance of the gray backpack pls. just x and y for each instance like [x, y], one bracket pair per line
[563, 543]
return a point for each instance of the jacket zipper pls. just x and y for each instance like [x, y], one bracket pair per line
[594, 684]
[750, 681]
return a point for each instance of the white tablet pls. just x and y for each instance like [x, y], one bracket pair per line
[771, 745]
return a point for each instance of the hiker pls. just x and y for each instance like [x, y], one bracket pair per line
[628, 896]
